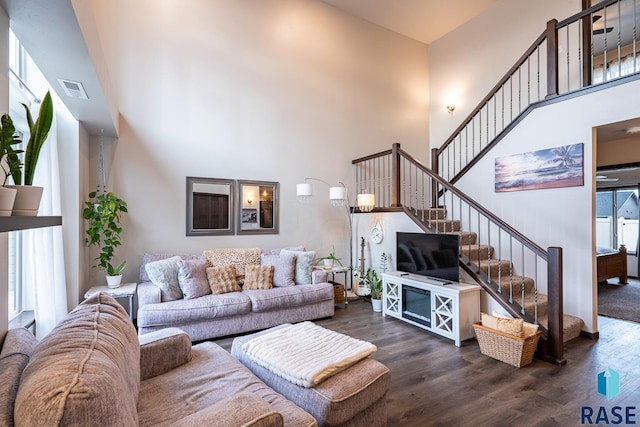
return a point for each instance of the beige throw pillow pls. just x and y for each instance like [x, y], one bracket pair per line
[489, 321]
[258, 277]
[510, 326]
[222, 279]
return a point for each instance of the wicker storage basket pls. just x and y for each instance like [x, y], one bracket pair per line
[507, 348]
[338, 293]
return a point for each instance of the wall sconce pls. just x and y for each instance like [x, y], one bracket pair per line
[366, 202]
[450, 108]
[249, 201]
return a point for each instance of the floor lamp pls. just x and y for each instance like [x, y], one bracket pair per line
[338, 196]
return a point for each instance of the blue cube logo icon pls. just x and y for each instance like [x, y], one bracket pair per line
[609, 383]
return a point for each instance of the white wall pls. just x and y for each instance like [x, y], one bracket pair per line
[467, 63]
[271, 90]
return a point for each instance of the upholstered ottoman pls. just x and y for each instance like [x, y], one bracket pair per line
[355, 396]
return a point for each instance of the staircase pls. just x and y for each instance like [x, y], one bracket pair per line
[525, 279]
[502, 271]
[512, 269]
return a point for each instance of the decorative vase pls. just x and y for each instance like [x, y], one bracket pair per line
[328, 263]
[114, 281]
[376, 304]
[363, 289]
[7, 199]
[27, 200]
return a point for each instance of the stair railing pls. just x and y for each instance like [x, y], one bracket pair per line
[598, 46]
[400, 182]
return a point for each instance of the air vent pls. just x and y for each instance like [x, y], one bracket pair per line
[73, 89]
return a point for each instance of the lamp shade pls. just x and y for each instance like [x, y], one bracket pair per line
[303, 190]
[337, 193]
[366, 202]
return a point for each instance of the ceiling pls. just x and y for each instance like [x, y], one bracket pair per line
[422, 20]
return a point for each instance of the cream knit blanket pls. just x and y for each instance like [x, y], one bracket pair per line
[306, 354]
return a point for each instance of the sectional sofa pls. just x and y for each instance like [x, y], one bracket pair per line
[93, 370]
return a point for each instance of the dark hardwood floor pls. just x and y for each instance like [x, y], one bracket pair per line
[435, 383]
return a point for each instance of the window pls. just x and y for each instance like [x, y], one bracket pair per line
[617, 218]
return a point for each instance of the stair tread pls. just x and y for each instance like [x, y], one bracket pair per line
[571, 326]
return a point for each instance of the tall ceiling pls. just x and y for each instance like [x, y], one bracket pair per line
[422, 20]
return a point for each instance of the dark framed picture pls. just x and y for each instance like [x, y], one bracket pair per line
[249, 216]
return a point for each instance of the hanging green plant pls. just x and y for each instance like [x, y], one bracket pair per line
[103, 213]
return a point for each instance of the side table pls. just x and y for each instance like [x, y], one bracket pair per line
[334, 271]
[125, 290]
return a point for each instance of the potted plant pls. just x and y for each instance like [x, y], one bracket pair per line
[28, 197]
[8, 139]
[103, 214]
[330, 259]
[375, 288]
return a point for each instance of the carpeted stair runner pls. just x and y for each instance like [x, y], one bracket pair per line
[500, 271]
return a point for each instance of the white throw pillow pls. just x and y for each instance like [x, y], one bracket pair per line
[304, 265]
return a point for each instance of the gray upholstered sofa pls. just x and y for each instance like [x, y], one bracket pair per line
[216, 315]
[93, 370]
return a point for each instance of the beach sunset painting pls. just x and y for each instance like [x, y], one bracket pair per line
[551, 168]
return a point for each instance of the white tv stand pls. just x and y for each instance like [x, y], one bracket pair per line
[454, 306]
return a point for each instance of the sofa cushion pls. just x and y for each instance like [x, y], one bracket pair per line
[238, 257]
[17, 347]
[284, 268]
[212, 376]
[304, 265]
[192, 278]
[223, 279]
[147, 258]
[292, 296]
[164, 274]
[258, 277]
[86, 372]
[176, 313]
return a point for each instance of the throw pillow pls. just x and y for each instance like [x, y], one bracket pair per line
[529, 329]
[304, 264]
[192, 277]
[277, 251]
[238, 257]
[284, 268]
[223, 279]
[164, 274]
[258, 277]
[510, 326]
[489, 321]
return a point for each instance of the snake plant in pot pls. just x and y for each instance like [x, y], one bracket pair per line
[103, 213]
[28, 197]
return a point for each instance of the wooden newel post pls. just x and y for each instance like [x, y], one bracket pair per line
[555, 339]
[436, 169]
[552, 58]
[395, 175]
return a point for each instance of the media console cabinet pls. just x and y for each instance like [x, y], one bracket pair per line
[445, 308]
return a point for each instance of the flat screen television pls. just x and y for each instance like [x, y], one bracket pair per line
[431, 255]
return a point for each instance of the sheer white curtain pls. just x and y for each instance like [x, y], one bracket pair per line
[43, 257]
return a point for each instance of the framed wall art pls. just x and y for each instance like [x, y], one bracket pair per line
[550, 168]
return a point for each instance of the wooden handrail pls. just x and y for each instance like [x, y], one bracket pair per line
[550, 36]
[493, 91]
[499, 222]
